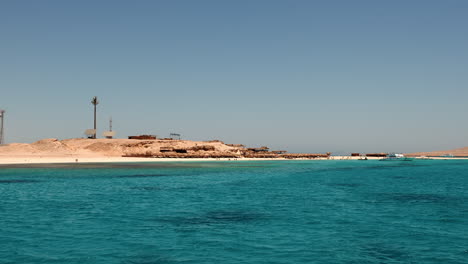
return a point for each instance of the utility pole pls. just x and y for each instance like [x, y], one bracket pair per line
[95, 102]
[2, 115]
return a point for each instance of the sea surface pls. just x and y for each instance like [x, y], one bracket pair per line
[236, 212]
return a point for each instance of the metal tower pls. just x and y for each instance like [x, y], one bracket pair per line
[109, 134]
[2, 115]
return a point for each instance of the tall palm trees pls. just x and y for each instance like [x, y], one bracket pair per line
[95, 102]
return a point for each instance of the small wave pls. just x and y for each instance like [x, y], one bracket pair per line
[215, 217]
[19, 181]
[384, 252]
[417, 198]
[148, 259]
[350, 185]
[143, 175]
[147, 188]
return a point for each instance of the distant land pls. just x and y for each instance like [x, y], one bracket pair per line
[459, 152]
[146, 148]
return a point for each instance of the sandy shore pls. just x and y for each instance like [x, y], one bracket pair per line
[123, 150]
[54, 160]
[50, 151]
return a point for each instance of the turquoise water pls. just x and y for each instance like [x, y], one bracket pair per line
[236, 212]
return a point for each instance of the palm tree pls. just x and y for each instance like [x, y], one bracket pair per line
[95, 102]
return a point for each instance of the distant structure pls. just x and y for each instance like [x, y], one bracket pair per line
[261, 149]
[175, 136]
[143, 137]
[90, 133]
[2, 115]
[109, 134]
[378, 155]
[95, 102]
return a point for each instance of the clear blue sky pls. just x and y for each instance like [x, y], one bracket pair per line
[305, 76]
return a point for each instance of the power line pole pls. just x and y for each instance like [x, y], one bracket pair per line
[2, 115]
[95, 102]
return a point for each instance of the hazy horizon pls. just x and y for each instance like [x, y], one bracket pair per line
[304, 76]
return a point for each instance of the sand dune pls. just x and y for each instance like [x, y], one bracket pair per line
[122, 150]
[79, 147]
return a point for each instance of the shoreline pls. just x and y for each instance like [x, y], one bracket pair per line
[80, 150]
[76, 160]
[73, 160]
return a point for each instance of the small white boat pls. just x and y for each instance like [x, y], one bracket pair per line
[424, 158]
[396, 157]
[448, 155]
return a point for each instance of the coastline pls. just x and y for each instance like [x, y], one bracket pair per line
[79, 150]
[77, 159]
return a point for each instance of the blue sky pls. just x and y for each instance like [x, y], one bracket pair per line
[305, 76]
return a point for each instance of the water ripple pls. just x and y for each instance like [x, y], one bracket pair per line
[18, 181]
[215, 217]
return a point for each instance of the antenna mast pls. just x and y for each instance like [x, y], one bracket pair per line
[2, 114]
[109, 134]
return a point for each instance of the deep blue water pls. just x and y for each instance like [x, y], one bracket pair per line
[236, 212]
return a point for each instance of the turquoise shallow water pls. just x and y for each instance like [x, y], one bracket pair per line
[236, 212]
